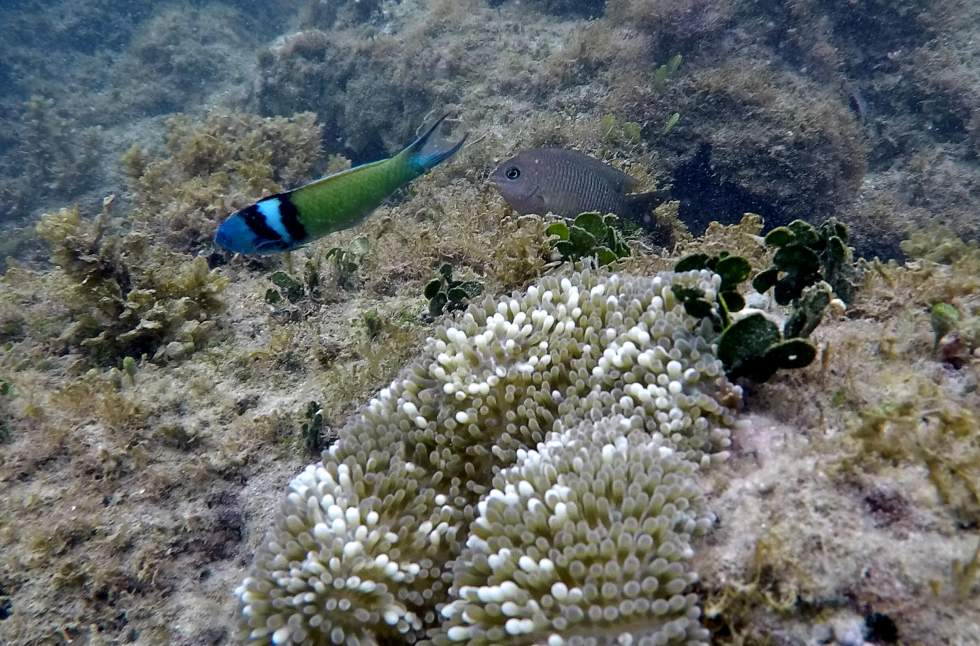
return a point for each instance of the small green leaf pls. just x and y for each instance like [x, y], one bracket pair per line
[733, 301]
[692, 263]
[566, 249]
[808, 313]
[457, 295]
[432, 287]
[764, 280]
[559, 229]
[284, 280]
[796, 258]
[359, 246]
[804, 232]
[295, 294]
[779, 236]
[606, 256]
[840, 230]
[471, 287]
[437, 303]
[836, 251]
[698, 308]
[446, 270]
[788, 288]
[831, 228]
[593, 223]
[745, 342]
[272, 296]
[733, 270]
[748, 337]
[684, 294]
[583, 241]
[792, 353]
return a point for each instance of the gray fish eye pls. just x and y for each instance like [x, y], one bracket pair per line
[513, 172]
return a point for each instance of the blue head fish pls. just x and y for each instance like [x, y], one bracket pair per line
[289, 220]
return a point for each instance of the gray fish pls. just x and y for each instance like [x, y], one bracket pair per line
[567, 182]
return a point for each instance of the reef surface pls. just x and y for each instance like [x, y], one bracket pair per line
[158, 396]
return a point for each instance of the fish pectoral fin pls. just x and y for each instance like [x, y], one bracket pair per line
[271, 245]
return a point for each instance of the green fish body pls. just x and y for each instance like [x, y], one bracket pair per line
[289, 220]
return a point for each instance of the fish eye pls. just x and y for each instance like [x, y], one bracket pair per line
[513, 172]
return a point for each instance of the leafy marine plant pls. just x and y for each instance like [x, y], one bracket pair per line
[666, 71]
[348, 261]
[752, 345]
[660, 78]
[590, 235]
[733, 271]
[805, 255]
[295, 289]
[446, 294]
[312, 429]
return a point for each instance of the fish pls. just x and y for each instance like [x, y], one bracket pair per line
[567, 183]
[289, 220]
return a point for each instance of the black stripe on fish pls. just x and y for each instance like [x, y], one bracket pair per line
[256, 222]
[289, 216]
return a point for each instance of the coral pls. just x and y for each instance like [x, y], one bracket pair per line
[126, 299]
[364, 544]
[215, 167]
[612, 514]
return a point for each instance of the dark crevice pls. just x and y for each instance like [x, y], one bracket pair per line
[704, 197]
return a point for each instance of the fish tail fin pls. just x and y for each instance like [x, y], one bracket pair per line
[423, 157]
[640, 205]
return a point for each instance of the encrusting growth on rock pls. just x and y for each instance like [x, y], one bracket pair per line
[380, 540]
